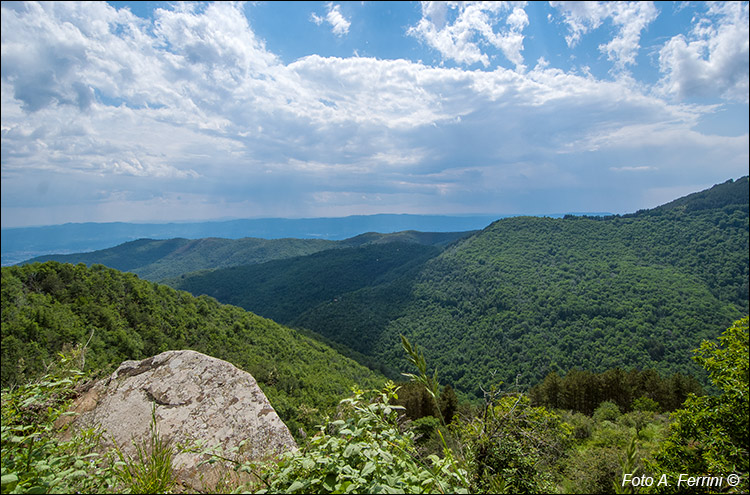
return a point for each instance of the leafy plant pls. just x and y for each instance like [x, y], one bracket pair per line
[34, 457]
[363, 451]
[709, 435]
[150, 470]
[513, 446]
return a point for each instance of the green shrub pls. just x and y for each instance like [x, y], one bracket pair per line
[363, 451]
[580, 424]
[34, 458]
[514, 446]
[710, 435]
[592, 470]
[607, 411]
[645, 404]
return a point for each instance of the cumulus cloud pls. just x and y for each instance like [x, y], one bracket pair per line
[713, 58]
[458, 30]
[334, 17]
[129, 116]
[630, 19]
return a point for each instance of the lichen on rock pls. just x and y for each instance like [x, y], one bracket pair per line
[194, 397]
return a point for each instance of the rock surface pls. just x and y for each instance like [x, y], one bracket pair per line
[196, 397]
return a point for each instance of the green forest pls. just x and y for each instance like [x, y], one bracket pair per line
[47, 307]
[539, 355]
[506, 444]
[524, 297]
[158, 260]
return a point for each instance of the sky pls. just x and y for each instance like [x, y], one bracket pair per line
[163, 111]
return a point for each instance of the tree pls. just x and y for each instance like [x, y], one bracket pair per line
[709, 435]
[448, 403]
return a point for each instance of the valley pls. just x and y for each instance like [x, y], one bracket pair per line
[580, 331]
[521, 298]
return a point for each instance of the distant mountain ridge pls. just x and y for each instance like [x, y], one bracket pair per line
[159, 260]
[20, 244]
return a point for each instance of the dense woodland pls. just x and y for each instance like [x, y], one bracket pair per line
[524, 297]
[47, 307]
[157, 260]
[544, 355]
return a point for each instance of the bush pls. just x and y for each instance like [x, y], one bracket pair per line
[364, 452]
[645, 404]
[580, 424]
[592, 470]
[607, 411]
[513, 447]
[34, 458]
[709, 435]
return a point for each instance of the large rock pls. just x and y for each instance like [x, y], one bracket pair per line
[196, 397]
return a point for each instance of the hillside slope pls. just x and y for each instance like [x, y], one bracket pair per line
[529, 295]
[24, 243]
[47, 306]
[284, 289]
[158, 260]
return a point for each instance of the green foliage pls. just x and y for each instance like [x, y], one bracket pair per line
[629, 464]
[645, 404]
[524, 296]
[531, 296]
[584, 391]
[581, 425]
[710, 434]
[363, 451]
[416, 401]
[607, 411]
[161, 259]
[46, 306]
[430, 383]
[34, 457]
[592, 470]
[448, 403]
[602, 450]
[284, 290]
[513, 447]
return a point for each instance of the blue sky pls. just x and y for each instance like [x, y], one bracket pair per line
[161, 111]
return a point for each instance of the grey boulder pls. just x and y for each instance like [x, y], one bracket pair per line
[195, 397]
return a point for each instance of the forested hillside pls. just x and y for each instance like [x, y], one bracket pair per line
[284, 289]
[527, 296]
[48, 306]
[23, 243]
[157, 260]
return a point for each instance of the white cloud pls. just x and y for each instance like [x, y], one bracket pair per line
[712, 60]
[165, 116]
[630, 18]
[581, 17]
[474, 25]
[334, 17]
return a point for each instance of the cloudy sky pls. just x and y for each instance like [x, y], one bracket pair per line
[156, 111]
